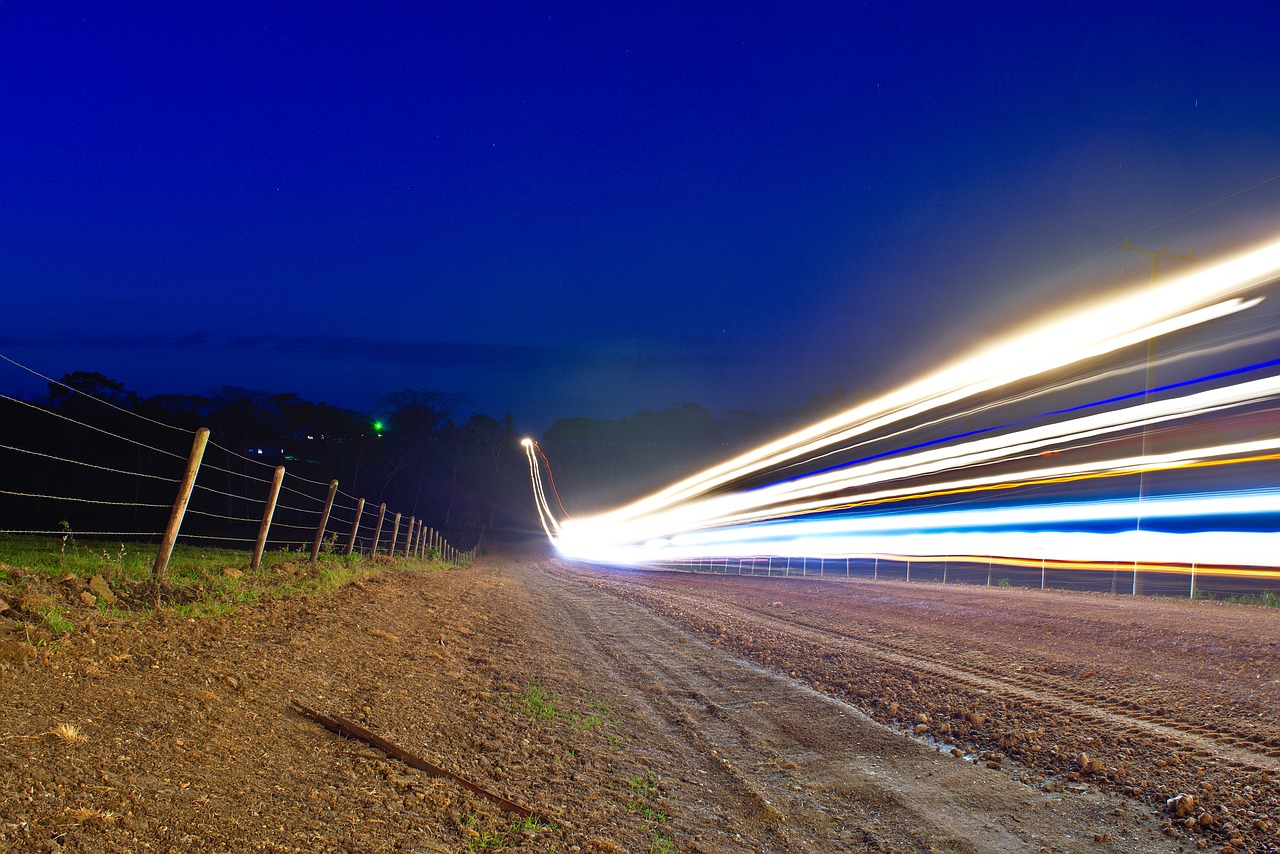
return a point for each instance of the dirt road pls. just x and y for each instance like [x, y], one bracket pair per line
[651, 712]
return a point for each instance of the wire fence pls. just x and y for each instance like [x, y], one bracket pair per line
[61, 463]
[1185, 580]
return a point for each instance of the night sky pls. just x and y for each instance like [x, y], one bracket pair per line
[588, 209]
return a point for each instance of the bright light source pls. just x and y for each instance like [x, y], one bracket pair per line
[704, 515]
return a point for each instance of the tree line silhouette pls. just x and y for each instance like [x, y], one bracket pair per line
[422, 453]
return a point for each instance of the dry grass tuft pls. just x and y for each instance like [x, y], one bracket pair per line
[69, 733]
[87, 815]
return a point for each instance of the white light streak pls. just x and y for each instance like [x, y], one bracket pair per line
[700, 517]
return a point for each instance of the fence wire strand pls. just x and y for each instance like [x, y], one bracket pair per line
[90, 533]
[219, 538]
[53, 414]
[351, 519]
[310, 512]
[88, 465]
[216, 491]
[214, 467]
[240, 456]
[284, 488]
[221, 516]
[52, 381]
[81, 500]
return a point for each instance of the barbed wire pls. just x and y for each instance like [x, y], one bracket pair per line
[81, 500]
[215, 467]
[196, 512]
[280, 506]
[275, 525]
[343, 505]
[225, 494]
[95, 399]
[53, 414]
[350, 520]
[284, 488]
[240, 456]
[88, 465]
[323, 483]
[220, 538]
[74, 534]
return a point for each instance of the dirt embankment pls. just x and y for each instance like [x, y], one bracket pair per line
[652, 713]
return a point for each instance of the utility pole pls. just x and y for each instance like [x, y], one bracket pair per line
[1156, 256]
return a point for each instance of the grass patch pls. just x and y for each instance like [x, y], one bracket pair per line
[1265, 599]
[539, 702]
[56, 621]
[200, 581]
[645, 785]
[646, 812]
[493, 838]
[662, 844]
[599, 716]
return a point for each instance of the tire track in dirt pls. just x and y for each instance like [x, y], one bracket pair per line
[1223, 744]
[806, 771]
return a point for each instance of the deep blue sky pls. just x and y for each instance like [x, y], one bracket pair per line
[585, 209]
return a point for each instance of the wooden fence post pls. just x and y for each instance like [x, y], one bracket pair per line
[408, 536]
[377, 532]
[355, 526]
[180, 504]
[395, 532]
[324, 521]
[267, 513]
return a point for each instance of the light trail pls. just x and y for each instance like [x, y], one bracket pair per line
[840, 511]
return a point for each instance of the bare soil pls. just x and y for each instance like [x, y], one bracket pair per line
[649, 712]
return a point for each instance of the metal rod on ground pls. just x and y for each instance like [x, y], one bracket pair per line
[1041, 572]
[1193, 581]
[908, 569]
[377, 531]
[343, 727]
[875, 570]
[180, 503]
[267, 513]
[945, 563]
[355, 527]
[408, 535]
[324, 521]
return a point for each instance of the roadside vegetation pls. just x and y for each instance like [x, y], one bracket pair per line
[49, 583]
